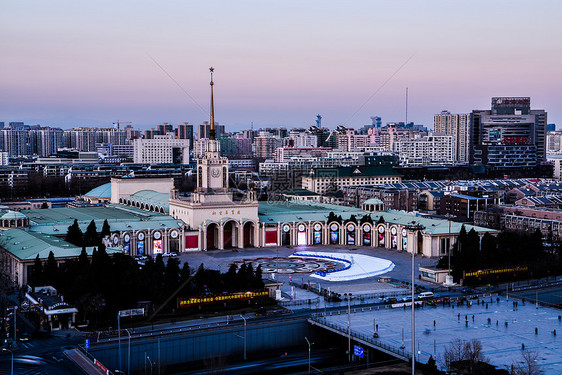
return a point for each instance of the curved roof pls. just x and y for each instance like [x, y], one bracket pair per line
[373, 201]
[103, 191]
[151, 197]
[12, 215]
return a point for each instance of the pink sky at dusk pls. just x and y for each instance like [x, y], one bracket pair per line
[278, 63]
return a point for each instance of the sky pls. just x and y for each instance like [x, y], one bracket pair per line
[277, 63]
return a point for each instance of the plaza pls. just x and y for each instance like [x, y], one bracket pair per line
[502, 328]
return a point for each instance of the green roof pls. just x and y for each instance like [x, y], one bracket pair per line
[373, 201]
[354, 172]
[27, 245]
[299, 192]
[103, 191]
[304, 211]
[55, 221]
[151, 197]
[11, 215]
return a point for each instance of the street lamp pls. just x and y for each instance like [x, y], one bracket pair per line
[414, 227]
[128, 352]
[8, 350]
[309, 345]
[349, 295]
[149, 361]
[244, 336]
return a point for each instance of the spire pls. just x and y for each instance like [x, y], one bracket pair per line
[212, 132]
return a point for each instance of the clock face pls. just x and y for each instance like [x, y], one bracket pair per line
[301, 228]
[367, 228]
[115, 240]
[157, 235]
[216, 172]
[127, 238]
[141, 236]
[174, 234]
[381, 229]
[404, 232]
[350, 227]
[393, 231]
[334, 227]
[317, 227]
[286, 228]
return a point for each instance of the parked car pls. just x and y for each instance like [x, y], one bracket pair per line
[390, 300]
[425, 295]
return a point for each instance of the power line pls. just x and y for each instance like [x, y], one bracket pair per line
[177, 84]
[380, 88]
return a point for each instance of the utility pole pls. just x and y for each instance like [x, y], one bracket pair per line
[414, 227]
[309, 345]
[244, 336]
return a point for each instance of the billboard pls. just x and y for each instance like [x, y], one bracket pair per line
[317, 238]
[157, 246]
[140, 248]
[334, 240]
[197, 301]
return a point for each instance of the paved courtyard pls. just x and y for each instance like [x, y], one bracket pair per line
[221, 260]
[501, 327]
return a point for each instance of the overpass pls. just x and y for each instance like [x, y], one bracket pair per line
[365, 340]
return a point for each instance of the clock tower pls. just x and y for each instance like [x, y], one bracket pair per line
[212, 169]
[220, 220]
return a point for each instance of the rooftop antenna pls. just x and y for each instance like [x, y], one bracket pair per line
[406, 106]
[121, 122]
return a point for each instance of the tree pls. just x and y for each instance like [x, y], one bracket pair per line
[464, 356]
[37, 275]
[91, 236]
[74, 234]
[529, 364]
[51, 270]
[105, 229]
[44, 205]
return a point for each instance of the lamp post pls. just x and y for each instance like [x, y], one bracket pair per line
[128, 352]
[244, 336]
[12, 368]
[309, 345]
[149, 361]
[349, 295]
[119, 332]
[414, 227]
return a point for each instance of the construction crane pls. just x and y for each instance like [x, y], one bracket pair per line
[121, 122]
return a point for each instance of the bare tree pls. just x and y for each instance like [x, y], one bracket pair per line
[464, 355]
[528, 365]
[454, 354]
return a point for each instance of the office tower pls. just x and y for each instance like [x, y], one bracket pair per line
[511, 134]
[185, 131]
[205, 130]
[456, 126]
[161, 149]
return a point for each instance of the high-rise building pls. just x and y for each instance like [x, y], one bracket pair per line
[456, 126]
[511, 134]
[431, 150]
[45, 141]
[185, 131]
[205, 130]
[161, 149]
[265, 145]
[554, 142]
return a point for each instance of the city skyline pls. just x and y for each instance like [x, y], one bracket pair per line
[92, 64]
